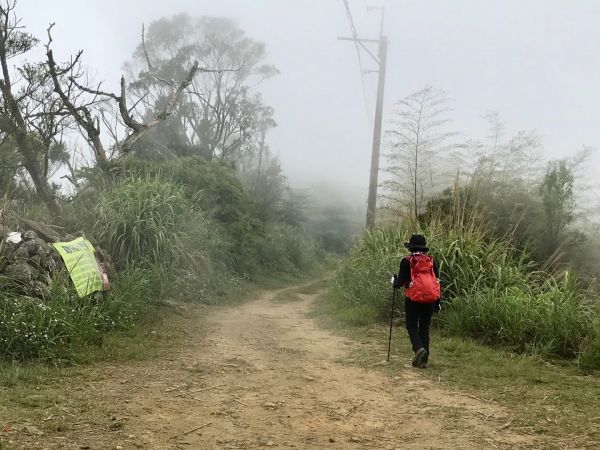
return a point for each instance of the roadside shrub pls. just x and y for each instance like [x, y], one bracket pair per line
[140, 219]
[590, 355]
[550, 323]
[279, 249]
[212, 189]
[204, 268]
[470, 261]
[364, 278]
[212, 186]
[287, 250]
[56, 328]
[193, 216]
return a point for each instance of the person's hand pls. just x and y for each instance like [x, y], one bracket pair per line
[437, 306]
[395, 282]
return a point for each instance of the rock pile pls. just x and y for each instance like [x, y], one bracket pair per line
[28, 267]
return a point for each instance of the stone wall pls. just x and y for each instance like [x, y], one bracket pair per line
[30, 266]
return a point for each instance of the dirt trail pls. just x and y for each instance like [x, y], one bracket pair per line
[264, 375]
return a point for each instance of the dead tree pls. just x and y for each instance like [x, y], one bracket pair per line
[41, 101]
[69, 82]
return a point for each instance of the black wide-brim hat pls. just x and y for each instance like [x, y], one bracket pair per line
[417, 242]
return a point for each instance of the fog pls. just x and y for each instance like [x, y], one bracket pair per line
[534, 62]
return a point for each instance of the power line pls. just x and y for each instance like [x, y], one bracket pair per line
[380, 60]
[360, 63]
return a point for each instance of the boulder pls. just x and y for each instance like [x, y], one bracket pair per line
[43, 231]
[20, 273]
[29, 235]
[35, 246]
[21, 252]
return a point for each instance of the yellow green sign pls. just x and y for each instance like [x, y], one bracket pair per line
[82, 265]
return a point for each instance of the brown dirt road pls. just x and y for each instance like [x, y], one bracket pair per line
[264, 375]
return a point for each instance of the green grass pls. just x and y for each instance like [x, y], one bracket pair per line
[552, 323]
[32, 392]
[490, 290]
[555, 400]
[65, 328]
[139, 219]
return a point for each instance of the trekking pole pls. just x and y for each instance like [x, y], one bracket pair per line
[391, 322]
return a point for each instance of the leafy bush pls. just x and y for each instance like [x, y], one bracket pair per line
[139, 219]
[211, 186]
[214, 190]
[195, 216]
[185, 227]
[55, 328]
[287, 250]
[470, 261]
[590, 355]
[551, 323]
[364, 278]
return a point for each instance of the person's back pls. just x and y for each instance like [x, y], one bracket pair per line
[419, 276]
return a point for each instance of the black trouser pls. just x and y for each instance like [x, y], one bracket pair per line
[418, 319]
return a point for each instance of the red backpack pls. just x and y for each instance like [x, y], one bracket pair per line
[424, 286]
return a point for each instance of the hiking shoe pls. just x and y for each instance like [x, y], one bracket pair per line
[420, 357]
[423, 365]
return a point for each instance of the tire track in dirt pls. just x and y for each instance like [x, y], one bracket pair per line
[264, 375]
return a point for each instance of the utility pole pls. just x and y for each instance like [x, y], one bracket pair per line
[380, 59]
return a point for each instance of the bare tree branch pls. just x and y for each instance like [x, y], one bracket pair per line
[81, 115]
[140, 129]
[96, 92]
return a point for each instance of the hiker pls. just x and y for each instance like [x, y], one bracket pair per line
[419, 276]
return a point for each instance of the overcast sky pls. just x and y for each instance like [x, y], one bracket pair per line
[533, 61]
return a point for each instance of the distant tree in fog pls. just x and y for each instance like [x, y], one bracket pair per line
[420, 150]
[505, 164]
[221, 114]
[558, 200]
